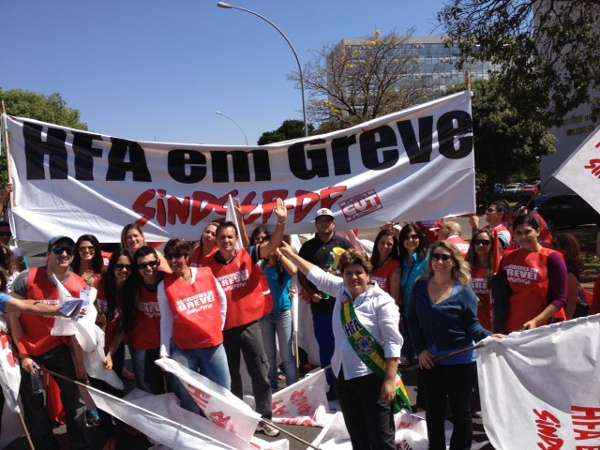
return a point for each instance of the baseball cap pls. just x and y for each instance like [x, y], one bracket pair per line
[60, 240]
[324, 212]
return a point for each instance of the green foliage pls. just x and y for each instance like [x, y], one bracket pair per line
[508, 144]
[47, 108]
[546, 51]
[289, 129]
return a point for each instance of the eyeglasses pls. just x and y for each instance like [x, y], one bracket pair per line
[175, 256]
[441, 257]
[481, 242]
[60, 250]
[122, 266]
[151, 264]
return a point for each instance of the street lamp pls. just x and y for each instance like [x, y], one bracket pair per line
[284, 36]
[222, 114]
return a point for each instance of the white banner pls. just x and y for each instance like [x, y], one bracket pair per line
[301, 400]
[10, 373]
[416, 164]
[539, 388]
[581, 172]
[218, 404]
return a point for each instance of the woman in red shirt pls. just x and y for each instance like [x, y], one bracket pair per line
[206, 248]
[479, 258]
[142, 321]
[87, 260]
[386, 266]
[537, 278]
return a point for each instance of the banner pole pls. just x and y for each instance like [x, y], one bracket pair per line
[3, 115]
[25, 429]
[445, 357]
[293, 436]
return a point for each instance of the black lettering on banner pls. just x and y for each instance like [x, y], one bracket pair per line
[339, 149]
[298, 160]
[36, 151]
[369, 146]
[180, 159]
[85, 154]
[447, 132]
[417, 151]
[241, 165]
[118, 167]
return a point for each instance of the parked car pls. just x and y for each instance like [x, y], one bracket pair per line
[565, 210]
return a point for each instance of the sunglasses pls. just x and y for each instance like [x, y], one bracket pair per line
[122, 266]
[60, 250]
[481, 242]
[175, 256]
[151, 264]
[441, 257]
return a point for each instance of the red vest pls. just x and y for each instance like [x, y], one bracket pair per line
[196, 310]
[145, 334]
[479, 283]
[248, 295]
[461, 245]
[36, 339]
[383, 274]
[199, 260]
[527, 274]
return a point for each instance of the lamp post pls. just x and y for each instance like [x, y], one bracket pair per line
[284, 36]
[222, 114]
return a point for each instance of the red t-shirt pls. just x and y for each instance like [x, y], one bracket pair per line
[479, 283]
[145, 334]
[383, 274]
[199, 260]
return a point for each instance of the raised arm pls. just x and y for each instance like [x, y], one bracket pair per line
[266, 248]
[242, 225]
[288, 265]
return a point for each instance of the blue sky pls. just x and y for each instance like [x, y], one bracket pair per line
[152, 69]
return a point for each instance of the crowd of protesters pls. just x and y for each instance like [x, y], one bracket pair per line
[421, 293]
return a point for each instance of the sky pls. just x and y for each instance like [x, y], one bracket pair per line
[159, 70]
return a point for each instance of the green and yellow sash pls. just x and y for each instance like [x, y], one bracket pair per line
[370, 351]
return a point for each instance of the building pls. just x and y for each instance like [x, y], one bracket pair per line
[435, 63]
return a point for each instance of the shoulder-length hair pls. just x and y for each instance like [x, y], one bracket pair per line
[109, 282]
[97, 260]
[406, 231]
[7, 260]
[127, 228]
[376, 256]
[461, 273]
[472, 255]
[569, 246]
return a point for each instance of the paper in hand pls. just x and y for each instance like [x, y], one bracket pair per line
[71, 308]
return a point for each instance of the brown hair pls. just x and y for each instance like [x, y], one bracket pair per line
[351, 257]
[460, 271]
[127, 228]
[571, 250]
[178, 246]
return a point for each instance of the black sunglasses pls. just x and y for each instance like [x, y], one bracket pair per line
[60, 250]
[151, 264]
[122, 266]
[440, 257]
[481, 242]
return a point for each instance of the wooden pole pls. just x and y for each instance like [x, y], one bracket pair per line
[3, 114]
[24, 425]
[448, 356]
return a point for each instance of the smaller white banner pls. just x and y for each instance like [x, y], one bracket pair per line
[10, 373]
[581, 172]
[218, 404]
[539, 388]
[301, 400]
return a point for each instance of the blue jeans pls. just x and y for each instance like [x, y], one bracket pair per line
[279, 324]
[148, 376]
[210, 362]
[324, 335]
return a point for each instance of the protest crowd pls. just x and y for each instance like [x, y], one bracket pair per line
[420, 294]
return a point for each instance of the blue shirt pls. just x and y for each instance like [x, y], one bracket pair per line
[280, 283]
[4, 299]
[446, 326]
[410, 275]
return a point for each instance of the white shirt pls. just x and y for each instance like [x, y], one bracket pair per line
[166, 315]
[377, 312]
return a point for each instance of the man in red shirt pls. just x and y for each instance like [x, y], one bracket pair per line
[37, 347]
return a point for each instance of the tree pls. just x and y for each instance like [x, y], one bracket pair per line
[508, 145]
[47, 108]
[546, 50]
[353, 82]
[289, 129]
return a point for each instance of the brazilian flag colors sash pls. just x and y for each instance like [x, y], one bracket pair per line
[370, 351]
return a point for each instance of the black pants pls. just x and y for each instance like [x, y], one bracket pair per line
[453, 385]
[370, 421]
[58, 360]
[248, 340]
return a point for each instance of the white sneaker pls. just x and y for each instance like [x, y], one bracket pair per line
[267, 429]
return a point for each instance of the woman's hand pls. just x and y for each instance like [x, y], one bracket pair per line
[108, 362]
[388, 390]
[29, 366]
[498, 337]
[426, 360]
[280, 211]
[530, 324]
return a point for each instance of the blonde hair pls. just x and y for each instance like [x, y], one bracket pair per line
[461, 271]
